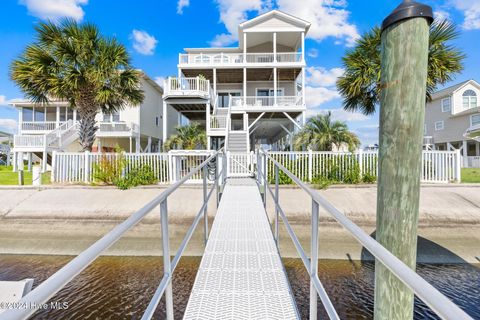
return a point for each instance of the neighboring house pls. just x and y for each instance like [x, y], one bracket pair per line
[6, 138]
[43, 129]
[452, 119]
[250, 95]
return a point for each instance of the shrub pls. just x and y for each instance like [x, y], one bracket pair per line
[142, 175]
[320, 182]
[352, 175]
[108, 170]
[369, 178]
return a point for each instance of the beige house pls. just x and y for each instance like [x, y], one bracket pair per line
[43, 129]
[452, 118]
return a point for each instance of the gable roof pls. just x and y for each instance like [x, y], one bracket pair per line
[275, 14]
[450, 90]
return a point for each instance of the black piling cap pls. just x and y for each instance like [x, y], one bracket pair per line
[406, 10]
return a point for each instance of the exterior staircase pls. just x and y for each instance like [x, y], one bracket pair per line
[237, 141]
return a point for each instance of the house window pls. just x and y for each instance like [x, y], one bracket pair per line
[111, 117]
[156, 121]
[469, 99]
[27, 114]
[475, 120]
[116, 117]
[439, 125]
[446, 105]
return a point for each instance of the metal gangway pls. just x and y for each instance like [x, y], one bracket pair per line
[239, 247]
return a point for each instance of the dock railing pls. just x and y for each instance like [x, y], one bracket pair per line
[62, 277]
[438, 302]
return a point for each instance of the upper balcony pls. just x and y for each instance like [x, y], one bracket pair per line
[268, 103]
[195, 87]
[240, 60]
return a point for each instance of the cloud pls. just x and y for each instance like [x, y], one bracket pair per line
[348, 116]
[441, 15]
[159, 80]
[329, 18]
[367, 134]
[313, 53]
[143, 43]
[55, 9]
[9, 125]
[319, 76]
[471, 11]
[316, 96]
[3, 100]
[182, 4]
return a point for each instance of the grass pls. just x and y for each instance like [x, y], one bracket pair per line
[471, 175]
[8, 177]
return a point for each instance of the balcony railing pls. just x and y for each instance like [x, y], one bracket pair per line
[39, 126]
[238, 58]
[187, 86]
[218, 122]
[261, 101]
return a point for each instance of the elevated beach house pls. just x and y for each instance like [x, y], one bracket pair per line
[43, 129]
[248, 95]
[452, 120]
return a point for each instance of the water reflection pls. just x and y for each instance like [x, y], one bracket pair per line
[121, 287]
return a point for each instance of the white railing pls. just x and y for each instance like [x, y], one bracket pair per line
[218, 122]
[240, 164]
[261, 101]
[433, 298]
[29, 141]
[58, 137]
[238, 58]
[186, 86]
[310, 166]
[471, 162]
[38, 126]
[48, 288]
[118, 127]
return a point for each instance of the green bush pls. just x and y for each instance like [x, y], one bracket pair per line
[138, 176]
[108, 170]
[320, 182]
[352, 176]
[369, 178]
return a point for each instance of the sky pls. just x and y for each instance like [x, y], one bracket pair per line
[156, 31]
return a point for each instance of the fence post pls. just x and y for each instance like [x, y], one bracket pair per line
[167, 269]
[458, 166]
[276, 205]
[360, 162]
[228, 163]
[265, 180]
[313, 260]
[170, 166]
[205, 214]
[87, 166]
[54, 166]
[310, 165]
[402, 113]
[217, 179]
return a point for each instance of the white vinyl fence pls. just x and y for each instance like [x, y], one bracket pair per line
[309, 166]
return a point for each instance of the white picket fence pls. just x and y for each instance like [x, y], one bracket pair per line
[67, 167]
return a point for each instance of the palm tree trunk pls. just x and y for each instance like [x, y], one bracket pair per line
[87, 109]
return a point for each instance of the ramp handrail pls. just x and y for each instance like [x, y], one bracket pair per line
[62, 277]
[438, 302]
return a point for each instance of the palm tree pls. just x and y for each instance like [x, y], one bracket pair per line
[188, 137]
[321, 133]
[360, 85]
[73, 62]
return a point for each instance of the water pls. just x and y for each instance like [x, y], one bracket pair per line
[121, 287]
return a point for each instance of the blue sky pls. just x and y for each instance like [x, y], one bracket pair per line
[156, 31]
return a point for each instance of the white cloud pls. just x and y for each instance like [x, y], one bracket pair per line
[143, 43]
[159, 80]
[348, 116]
[316, 96]
[319, 76]
[3, 100]
[471, 11]
[313, 53]
[55, 9]
[441, 15]
[9, 125]
[182, 4]
[329, 18]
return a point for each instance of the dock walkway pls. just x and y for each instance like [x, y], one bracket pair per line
[241, 275]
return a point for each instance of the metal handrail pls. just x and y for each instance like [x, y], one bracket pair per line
[62, 277]
[438, 302]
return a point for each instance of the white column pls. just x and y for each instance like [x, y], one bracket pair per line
[274, 47]
[207, 118]
[130, 144]
[464, 147]
[137, 145]
[215, 81]
[304, 116]
[149, 144]
[275, 86]
[303, 86]
[99, 145]
[74, 115]
[244, 86]
[58, 117]
[15, 161]
[20, 120]
[477, 149]
[244, 47]
[44, 161]
[29, 161]
[164, 121]
[179, 73]
[303, 46]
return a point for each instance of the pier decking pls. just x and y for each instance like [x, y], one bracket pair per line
[241, 275]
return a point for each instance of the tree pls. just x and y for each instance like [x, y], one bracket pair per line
[360, 85]
[74, 63]
[188, 137]
[320, 133]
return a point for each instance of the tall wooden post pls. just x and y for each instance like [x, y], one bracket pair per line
[405, 36]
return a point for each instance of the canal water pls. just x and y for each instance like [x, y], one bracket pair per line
[121, 287]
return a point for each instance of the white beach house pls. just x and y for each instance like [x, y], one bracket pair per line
[248, 95]
[452, 119]
[43, 129]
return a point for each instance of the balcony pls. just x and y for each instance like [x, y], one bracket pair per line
[264, 103]
[39, 127]
[117, 129]
[238, 59]
[187, 87]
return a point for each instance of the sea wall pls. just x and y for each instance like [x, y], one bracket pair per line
[67, 219]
